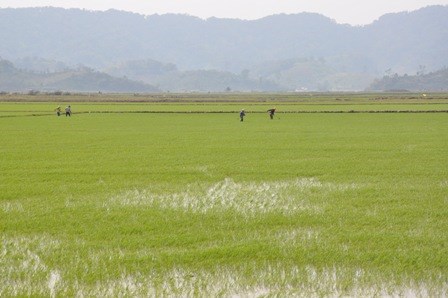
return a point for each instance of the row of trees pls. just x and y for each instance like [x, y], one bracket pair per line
[433, 81]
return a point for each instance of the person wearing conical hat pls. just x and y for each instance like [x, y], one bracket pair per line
[58, 110]
[271, 113]
[242, 114]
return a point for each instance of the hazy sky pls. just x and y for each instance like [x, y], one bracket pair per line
[355, 12]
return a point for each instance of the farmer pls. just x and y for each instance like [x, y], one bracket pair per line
[68, 111]
[271, 113]
[58, 111]
[242, 114]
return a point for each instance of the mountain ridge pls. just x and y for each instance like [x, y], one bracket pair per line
[399, 42]
[80, 80]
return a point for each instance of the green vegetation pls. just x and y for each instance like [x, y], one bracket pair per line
[201, 204]
[437, 80]
[82, 80]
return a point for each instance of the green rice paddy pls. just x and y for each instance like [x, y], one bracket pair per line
[125, 201]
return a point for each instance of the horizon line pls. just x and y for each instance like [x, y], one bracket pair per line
[224, 18]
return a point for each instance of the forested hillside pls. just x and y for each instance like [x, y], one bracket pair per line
[303, 51]
[434, 81]
[82, 79]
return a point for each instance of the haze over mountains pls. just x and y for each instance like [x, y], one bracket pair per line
[177, 52]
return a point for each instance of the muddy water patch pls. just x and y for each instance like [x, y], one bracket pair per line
[245, 198]
[23, 269]
[11, 207]
[253, 280]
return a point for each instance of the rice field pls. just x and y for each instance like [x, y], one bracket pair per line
[122, 200]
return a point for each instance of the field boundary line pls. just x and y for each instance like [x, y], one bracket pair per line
[263, 112]
[235, 112]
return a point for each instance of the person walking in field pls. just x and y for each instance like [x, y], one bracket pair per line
[242, 114]
[271, 113]
[58, 111]
[68, 111]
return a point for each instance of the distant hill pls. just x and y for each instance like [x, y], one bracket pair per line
[168, 78]
[347, 56]
[143, 77]
[310, 74]
[433, 81]
[144, 70]
[82, 79]
[40, 65]
[401, 41]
